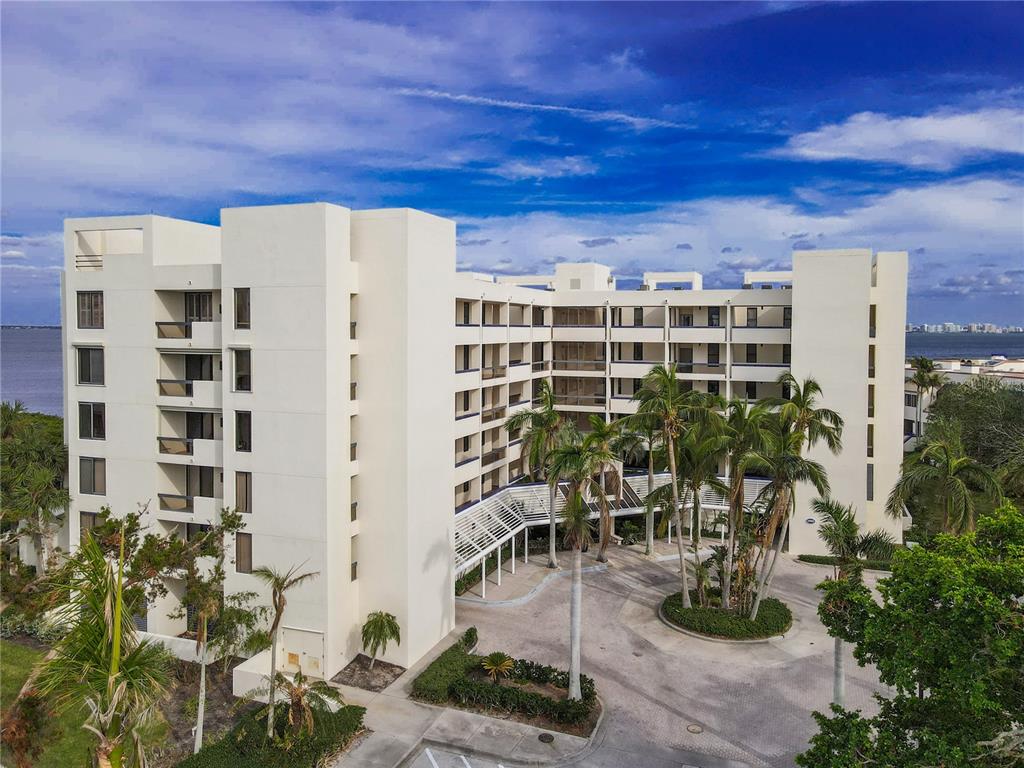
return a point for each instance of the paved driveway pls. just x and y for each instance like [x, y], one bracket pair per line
[752, 703]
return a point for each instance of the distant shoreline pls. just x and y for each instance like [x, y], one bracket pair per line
[28, 327]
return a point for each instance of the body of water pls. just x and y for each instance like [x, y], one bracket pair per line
[31, 362]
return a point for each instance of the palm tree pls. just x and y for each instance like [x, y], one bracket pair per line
[605, 436]
[577, 462]
[279, 584]
[746, 426]
[841, 534]
[926, 380]
[780, 460]
[305, 698]
[540, 429]
[40, 497]
[642, 435]
[379, 629]
[664, 400]
[100, 661]
[801, 412]
[943, 468]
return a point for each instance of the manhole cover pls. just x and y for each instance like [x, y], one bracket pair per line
[692, 728]
[547, 738]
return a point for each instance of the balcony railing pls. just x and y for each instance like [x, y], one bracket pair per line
[637, 325]
[592, 400]
[465, 460]
[678, 324]
[699, 368]
[493, 372]
[490, 414]
[173, 502]
[174, 330]
[466, 415]
[635, 362]
[492, 456]
[175, 446]
[175, 387]
[466, 370]
[541, 365]
[579, 365]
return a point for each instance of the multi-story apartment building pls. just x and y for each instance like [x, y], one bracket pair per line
[328, 373]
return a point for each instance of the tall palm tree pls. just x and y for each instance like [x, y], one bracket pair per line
[576, 462]
[841, 535]
[605, 436]
[926, 379]
[781, 461]
[803, 415]
[641, 436]
[39, 497]
[100, 661]
[956, 480]
[746, 426]
[662, 398]
[279, 584]
[540, 429]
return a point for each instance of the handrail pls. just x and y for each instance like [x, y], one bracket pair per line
[164, 330]
[166, 446]
[175, 387]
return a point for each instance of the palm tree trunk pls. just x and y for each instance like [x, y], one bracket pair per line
[201, 706]
[684, 585]
[575, 624]
[552, 558]
[373, 660]
[768, 569]
[649, 548]
[602, 550]
[273, 687]
[838, 675]
[736, 487]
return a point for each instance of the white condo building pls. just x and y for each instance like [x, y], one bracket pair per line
[330, 374]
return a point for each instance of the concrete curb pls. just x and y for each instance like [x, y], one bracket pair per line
[533, 592]
[721, 640]
[798, 561]
[504, 759]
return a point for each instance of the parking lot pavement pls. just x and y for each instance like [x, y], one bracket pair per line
[431, 757]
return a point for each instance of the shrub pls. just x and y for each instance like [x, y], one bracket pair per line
[434, 682]
[24, 728]
[631, 533]
[14, 625]
[469, 638]
[246, 745]
[876, 565]
[773, 618]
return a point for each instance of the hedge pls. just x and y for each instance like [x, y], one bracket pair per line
[448, 679]
[245, 746]
[875, 565]
[773, 618]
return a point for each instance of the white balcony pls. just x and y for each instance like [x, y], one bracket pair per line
[180, 450]
[519, 334]
[193, 335]
[467, 469]
[628, 333]
[632, 369]
[700, 371]
[623, 404]
[578, 333]
[697, 335]
[467, 335]
[765, 372]
[181, 393]
[467, 379]
[179, 508]
[494, 334]
[761, 335]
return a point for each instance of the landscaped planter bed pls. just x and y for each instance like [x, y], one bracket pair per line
[534, 694]
[773, 619]
[871, 565]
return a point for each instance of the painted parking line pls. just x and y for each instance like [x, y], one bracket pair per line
[430, 757]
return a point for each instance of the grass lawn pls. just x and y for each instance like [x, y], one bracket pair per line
[68, 749]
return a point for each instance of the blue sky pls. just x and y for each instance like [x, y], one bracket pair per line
[715, 137]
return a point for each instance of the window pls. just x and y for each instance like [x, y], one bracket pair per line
[752, 390]
[243, 431]
[787, 317]
[465, 358]
[243, 553]
[871, 440]
[786, 392]
[910, 399]
[199, 426]
[638, 351]
[353, 451]
[872, 314]
[354, 547]
[871, 361]
[243, 491]
[713, 388]
[355, 511]
[751, 353]
[92, 475]
[465, 443]
[86, 522]
[871, 399]
[465, 487]
[465, 400]
[199, 481]
[92, 421]
[752, 317]
[787, 354]
[714, 317]
[199, 367]
[871, 482]
[242, 310]
[908, 427]
[574, 283]
[687, 321]
[243, 370]
[199, 307]
[465, 313]
[712, 354]
[90, 309]
[638, 315]
[90, 365]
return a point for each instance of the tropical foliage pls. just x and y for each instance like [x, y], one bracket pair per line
[379, 629]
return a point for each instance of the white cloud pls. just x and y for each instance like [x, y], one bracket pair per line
[939, 141]
[545, 168]
[12, 253]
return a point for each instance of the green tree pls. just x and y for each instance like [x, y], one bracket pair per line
[842, 536]
[576, 462]
[948, 638]
[101, 662]
[540, 429]
[279, 583]
[663, 399]
[641, 436]
[953, 479]
[926, 379]
[605, 436]
[379, 629]
[305, 699]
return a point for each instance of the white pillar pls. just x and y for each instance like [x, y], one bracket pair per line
[499, 565]
[669, 538]
[483, 578]
[513, 561]
[526, 546]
